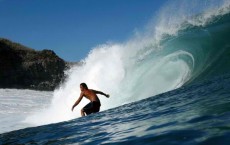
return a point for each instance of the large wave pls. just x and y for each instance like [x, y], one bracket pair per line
[187, 42]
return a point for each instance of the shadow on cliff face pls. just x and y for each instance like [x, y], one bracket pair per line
[25, 68]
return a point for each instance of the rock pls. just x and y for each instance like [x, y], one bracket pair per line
[25, 68]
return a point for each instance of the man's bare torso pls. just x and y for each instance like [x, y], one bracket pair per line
[91, 95]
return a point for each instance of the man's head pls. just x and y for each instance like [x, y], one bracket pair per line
[83, 86]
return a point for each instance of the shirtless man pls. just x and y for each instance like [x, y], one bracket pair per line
[94, 105]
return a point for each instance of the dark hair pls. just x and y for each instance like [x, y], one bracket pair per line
[84, 85]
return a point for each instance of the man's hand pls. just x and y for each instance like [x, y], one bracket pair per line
[107, 95]
[72, 108]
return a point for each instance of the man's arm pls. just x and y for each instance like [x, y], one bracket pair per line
[78, 101]
[101, 93]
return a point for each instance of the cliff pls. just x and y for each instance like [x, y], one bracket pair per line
[25, 68]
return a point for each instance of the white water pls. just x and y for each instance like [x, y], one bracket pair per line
[16, 105]
[115, 69]
[176, 13]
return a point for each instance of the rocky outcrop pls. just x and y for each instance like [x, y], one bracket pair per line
[25, 68]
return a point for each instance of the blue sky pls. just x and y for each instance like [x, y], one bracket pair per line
[73, 27]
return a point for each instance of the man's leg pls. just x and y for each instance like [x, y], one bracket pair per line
[82, 113]
[88, 109]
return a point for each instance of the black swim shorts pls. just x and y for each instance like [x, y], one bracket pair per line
[92, 107]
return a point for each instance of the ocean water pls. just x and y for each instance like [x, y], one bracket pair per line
[169, 85]
[191, 115]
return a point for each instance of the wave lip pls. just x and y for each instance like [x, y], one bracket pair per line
[179, 15]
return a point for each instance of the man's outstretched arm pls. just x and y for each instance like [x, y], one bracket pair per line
[101, 93]
[78, 101]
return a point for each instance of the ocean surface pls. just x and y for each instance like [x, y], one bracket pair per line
[169, 85]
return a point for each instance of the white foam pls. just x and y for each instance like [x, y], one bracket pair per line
[16, 105]
[114, 70]
[172, 17]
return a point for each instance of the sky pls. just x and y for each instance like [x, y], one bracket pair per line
[71, 28]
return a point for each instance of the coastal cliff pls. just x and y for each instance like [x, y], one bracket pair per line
[25, 68]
